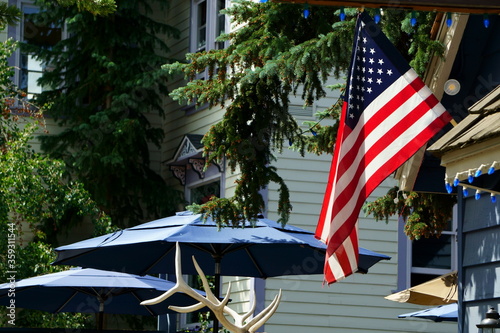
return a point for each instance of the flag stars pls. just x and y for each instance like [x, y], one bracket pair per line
[371, 72]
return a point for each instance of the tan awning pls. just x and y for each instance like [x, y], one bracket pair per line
[438, 291]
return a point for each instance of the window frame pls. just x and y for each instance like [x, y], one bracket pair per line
[405, 265]
[17, 33]
[212, 19]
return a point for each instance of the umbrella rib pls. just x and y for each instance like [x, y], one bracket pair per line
[156, 261]
[140, 300]
[255, 263]
[67, 301]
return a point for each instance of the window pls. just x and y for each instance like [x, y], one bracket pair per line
[203, 193]
[207, 23]
[427, 258]
[44, 35]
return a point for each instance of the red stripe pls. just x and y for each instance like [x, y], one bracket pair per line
[331, 177]
[327, 271]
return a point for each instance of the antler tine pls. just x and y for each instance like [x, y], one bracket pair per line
[204, 281]
[187, 309]
[219, 308]
[180, 285]
[253, 304]
[264, 315]
[240, 319]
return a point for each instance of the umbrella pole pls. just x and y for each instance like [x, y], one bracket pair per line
[100, 316]
[217, 292]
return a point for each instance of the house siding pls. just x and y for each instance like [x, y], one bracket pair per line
[480, 259]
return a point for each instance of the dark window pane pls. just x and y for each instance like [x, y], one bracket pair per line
[417, 279]
[203, 193]
[432, 252]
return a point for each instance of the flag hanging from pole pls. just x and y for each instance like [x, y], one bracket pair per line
[388, 114]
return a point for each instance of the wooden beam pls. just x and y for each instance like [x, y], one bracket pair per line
[460, 6]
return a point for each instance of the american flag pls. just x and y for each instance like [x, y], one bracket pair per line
[388, 114]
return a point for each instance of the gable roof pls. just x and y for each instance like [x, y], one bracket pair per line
[190, 146]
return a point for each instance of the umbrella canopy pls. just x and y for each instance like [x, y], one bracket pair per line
[447, 312]
[91, 291]
[265, 250]
[439, 291]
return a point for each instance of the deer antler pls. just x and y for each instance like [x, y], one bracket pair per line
[217, 307]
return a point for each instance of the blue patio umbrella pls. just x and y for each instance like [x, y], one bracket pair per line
[262, 249]
[265, 250]
[90, 291]
[448, 312]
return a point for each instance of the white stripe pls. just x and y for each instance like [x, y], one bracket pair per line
[351, 252]
[335, 267]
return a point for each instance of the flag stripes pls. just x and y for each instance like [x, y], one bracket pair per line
[390, 128]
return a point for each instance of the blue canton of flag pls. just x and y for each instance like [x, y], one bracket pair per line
[372, 71]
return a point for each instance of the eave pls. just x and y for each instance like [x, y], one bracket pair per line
[461, 6]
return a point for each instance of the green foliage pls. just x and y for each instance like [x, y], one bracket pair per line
[413, 41]
[425, 214]
[31, 185]
[108, 78]
[273, 54]
[9, 15]
[33, 194]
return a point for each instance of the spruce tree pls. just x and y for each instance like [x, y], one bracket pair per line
[105, 79]
[276, 52]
